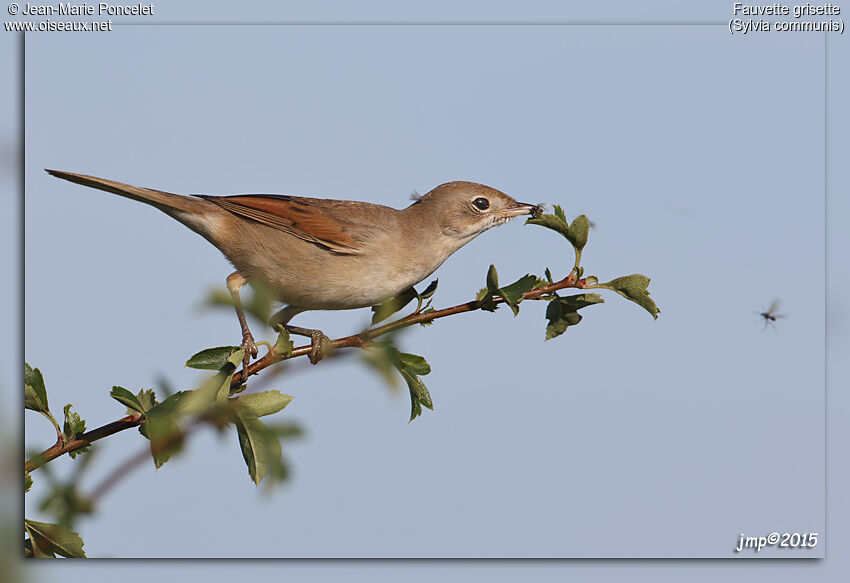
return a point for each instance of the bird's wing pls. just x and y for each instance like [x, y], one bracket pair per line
[323, 222]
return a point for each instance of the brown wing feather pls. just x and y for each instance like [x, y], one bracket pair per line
[298, 216]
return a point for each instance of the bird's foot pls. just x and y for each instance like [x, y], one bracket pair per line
[250, 349]
[320, 346]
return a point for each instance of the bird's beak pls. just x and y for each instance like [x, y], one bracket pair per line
[518, 209]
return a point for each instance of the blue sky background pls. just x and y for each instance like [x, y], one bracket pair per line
[699, 155]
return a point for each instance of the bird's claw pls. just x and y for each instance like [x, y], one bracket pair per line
[251, 351]
[320, 346]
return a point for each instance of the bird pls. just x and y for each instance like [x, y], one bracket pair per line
[324, 254]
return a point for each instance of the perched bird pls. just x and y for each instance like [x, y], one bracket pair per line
[322, 254]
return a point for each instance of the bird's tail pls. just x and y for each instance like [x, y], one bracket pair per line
[189, 210]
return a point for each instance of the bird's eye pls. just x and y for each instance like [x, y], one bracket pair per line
[481, 204]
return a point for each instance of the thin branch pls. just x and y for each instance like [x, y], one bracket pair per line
[82, 440]
[360, 340]
[353, 341]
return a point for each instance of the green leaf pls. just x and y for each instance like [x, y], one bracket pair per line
[260, 447]
[394, 304]
[492, 279]
[211, 358]
[35, 393]
[165, 436]
[419, 395]
[35, 396]
[485, 300]
[283, 346]
[141, 402]
[512, 294]
[49, 540]
[524, 284]
[385, 357]
[578, 232]
[484, 297]
[414, 363]
[74, 425]
[562, 312]
[553, 222]
[559, 212]
[216, 389]
[27, 481]
[633, 287]
[127, 399]
[260, 404]
[172, 406]
[560, 319]
[147, 398]
[575, 233]
[260, 444]
[411, 366]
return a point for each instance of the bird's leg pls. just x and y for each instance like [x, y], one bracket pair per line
[320, 344]
[235, 282]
